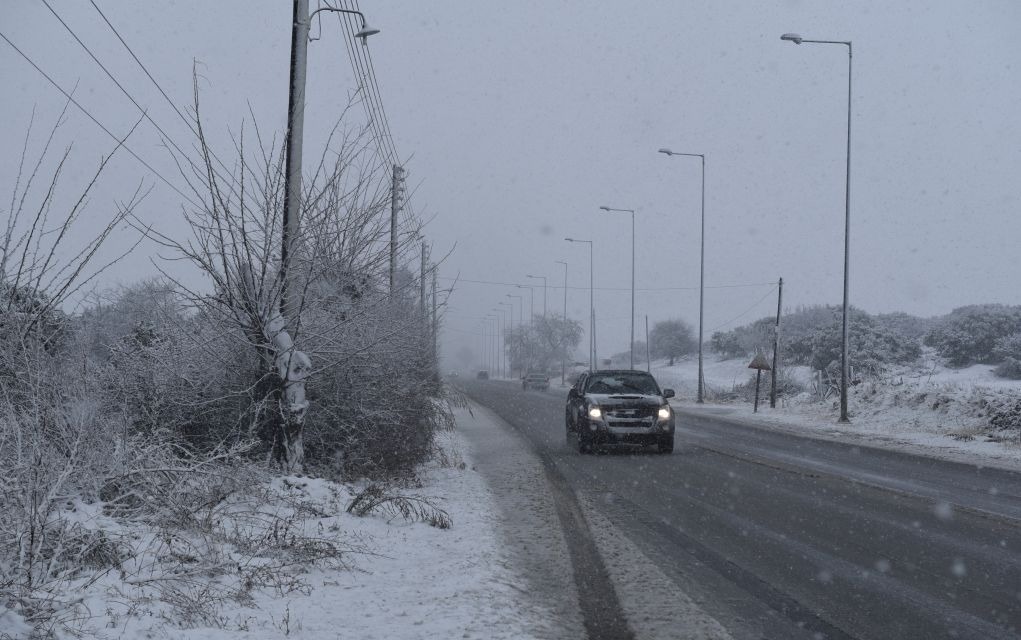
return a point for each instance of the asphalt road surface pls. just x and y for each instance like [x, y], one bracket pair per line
[779, 536]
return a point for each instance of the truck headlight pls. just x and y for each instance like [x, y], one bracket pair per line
[664, 413]
[595, 413]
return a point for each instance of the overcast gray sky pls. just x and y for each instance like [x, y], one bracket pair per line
[521, 118]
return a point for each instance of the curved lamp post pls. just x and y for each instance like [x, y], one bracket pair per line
[543, 278]
[701, 273]
[796, 39]
[591, 305]
[631, 349]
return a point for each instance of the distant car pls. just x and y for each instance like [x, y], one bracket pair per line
[482, 375]
[537, 381]
[619, 407]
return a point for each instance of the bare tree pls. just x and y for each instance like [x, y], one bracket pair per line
[51, 444]
[342, 254]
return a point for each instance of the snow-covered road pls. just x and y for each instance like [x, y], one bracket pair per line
[772, 535]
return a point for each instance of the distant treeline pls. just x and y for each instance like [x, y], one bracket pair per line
[975, 334]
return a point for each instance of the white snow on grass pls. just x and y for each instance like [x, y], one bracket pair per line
[924, 408]
[401, 579]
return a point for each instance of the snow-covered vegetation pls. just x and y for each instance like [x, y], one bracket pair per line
[940, 380]
[141, 429]
[542, 344]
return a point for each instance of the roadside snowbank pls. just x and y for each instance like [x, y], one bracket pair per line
[967, 415]
[386, 578]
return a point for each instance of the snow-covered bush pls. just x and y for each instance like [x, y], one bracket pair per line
[672, 339]
[871, 348]
[969, 335]
[747, 340]
[1008, 348]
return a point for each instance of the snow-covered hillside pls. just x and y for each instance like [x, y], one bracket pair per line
[960, 413]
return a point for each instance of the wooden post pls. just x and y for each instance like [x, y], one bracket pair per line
[758, 377]
[776, 347]
[759, 364]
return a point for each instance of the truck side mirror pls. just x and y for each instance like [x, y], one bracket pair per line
[668, 393]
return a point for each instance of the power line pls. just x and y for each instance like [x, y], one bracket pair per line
[144, 69]
[187, 122]
[97, 122]
[110, 75]
[574, 288]
[364, 70]
[746, 311]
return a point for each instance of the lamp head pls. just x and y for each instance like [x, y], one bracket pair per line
[569, 239]
[605, 208]
[365, 32]
[792, 37]
[666, 151]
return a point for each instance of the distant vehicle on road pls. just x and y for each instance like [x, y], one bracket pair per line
[537, 381]
[482, 375]
[619, 407]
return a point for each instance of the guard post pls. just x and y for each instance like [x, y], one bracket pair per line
[760, 364]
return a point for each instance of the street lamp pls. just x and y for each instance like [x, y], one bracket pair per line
[503, 334]
[494, 359]
[543, 278]
[563, 356]
[521, 308]
[591, 306]
[796, 39]
[508, 325]
[701, 273]
[531, 302]
[521, 314]
[631, 346]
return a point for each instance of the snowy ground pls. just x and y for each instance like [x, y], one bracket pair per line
[926, 408]
[403, 579]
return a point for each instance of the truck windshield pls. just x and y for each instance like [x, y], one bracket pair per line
[623, 382]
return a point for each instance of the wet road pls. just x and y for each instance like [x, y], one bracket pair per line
[779, 536]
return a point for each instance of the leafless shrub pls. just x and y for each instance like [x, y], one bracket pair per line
[53, 445]
[377, 498]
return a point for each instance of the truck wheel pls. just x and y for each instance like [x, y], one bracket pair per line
[666, 445]
[583, 444]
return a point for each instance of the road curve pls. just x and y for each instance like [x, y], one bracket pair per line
[779, 536]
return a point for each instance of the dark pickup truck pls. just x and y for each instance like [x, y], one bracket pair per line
[619, 407]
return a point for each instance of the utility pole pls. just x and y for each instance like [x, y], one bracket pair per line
[776, 346]
[435, 328]
[290, 234]
[648, 360]
[421, 296]
[395, 207]
[295, 134]
[563, 356]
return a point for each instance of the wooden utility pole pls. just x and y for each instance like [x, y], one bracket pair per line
[292, 182]
[421, 296]
[776, 346]
[435, 342]
[395, 207]
[648, 359]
